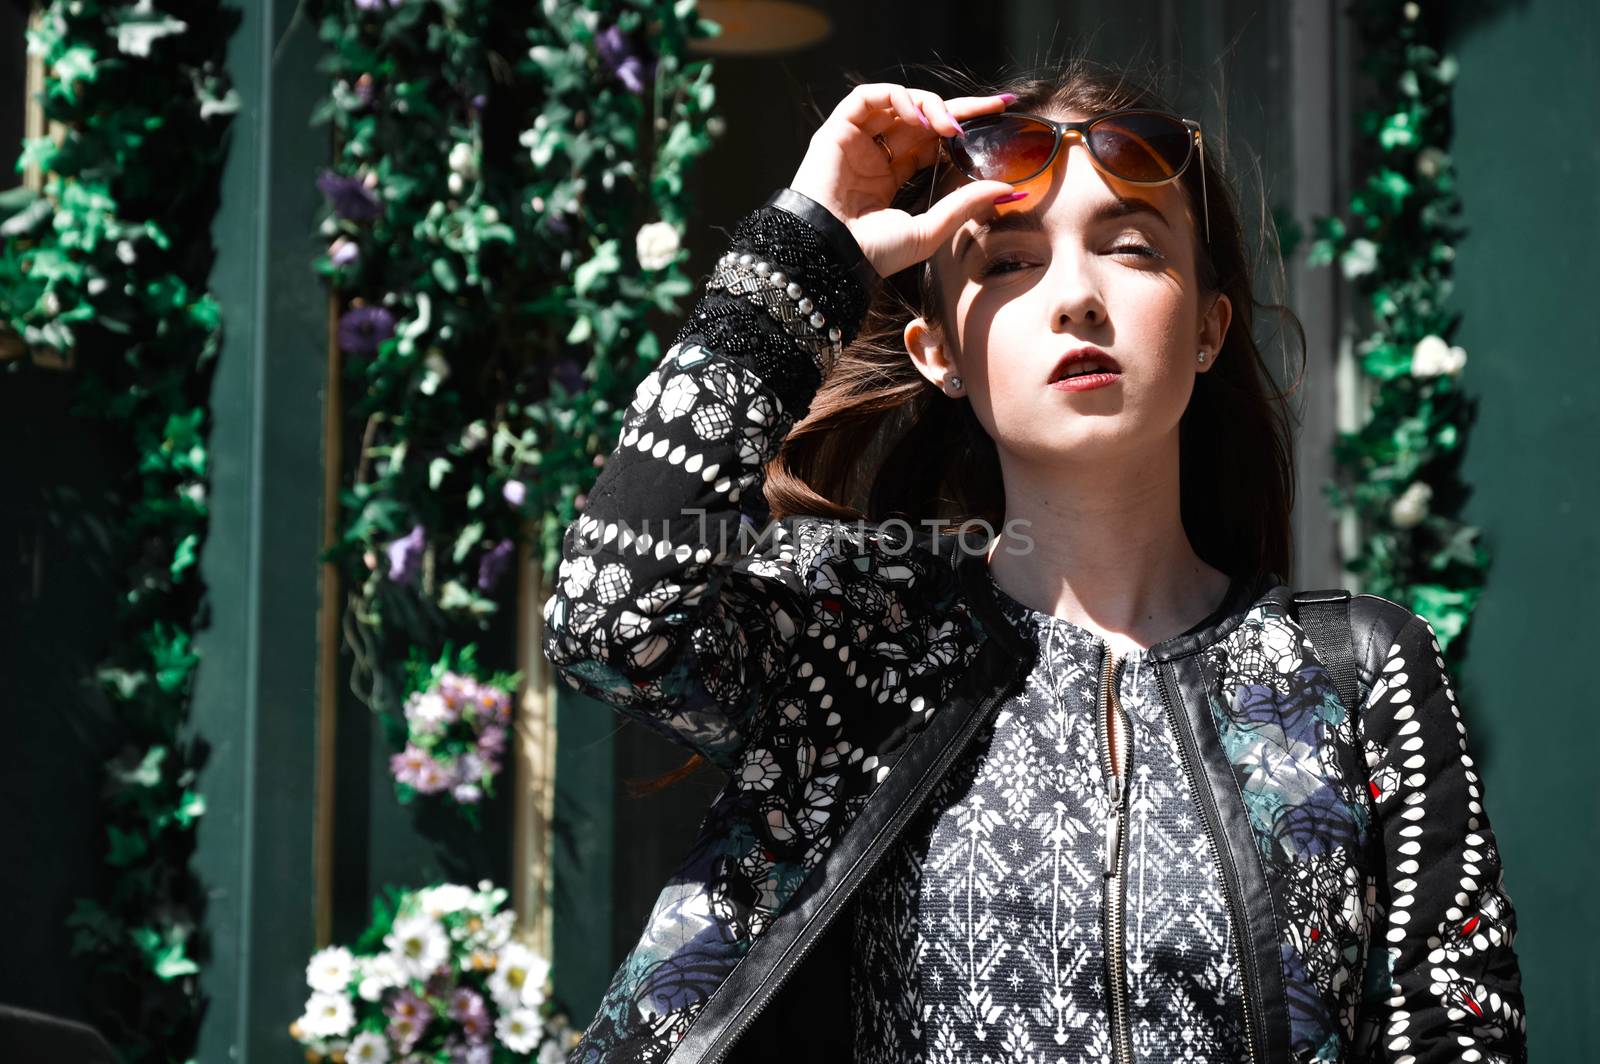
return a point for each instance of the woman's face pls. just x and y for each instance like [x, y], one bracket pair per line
[1089, 259]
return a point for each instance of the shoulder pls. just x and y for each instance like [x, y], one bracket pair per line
[1382, 627]
[891, 555]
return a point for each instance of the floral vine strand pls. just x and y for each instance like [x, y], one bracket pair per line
[503, 216]
[1401, 467]
[106, 272]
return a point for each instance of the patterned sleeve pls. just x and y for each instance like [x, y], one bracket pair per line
[1454, 989]
[677, 601]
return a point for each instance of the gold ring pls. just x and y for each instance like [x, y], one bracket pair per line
[884, 145]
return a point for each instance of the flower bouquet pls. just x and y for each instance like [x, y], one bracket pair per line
[457, 727]
[437, 978]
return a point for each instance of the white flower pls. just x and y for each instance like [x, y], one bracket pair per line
[438, 371]
[448, 898]
[367, 1048]
[427, 712]
[518, 979]
[327, 1015]
[497, 929]
[552, 1053]
[519, 1030]
[464, 161]
[330, 970]
[1412, 505]
[1360, 258]
[655, 244]
[1432, 357]
[419, 945]
[378, 974]
[1430, 161]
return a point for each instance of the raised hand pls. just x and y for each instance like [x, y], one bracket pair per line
[847, 172]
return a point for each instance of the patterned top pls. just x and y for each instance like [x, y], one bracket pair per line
[980, 935]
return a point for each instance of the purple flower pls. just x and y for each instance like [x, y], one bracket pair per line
[405, 555]
[479, 102]
[362, 329]
[434, 776]
[375, 5]
[618, 56]
[569, 372]
[406, 766]
[352, 200]
[465, 1002]
[491, 742]
[492, 566]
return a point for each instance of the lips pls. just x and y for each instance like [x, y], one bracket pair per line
[1080, 358]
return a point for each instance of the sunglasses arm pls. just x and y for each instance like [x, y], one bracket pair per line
[1205, 200]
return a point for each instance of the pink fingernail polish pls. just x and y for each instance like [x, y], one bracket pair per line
[1011, 197]
[1008, 96]
[959, 130]
[923, 117]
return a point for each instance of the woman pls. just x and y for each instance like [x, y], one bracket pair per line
[1084, 789]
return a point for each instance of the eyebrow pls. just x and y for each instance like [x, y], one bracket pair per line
[1031, 222]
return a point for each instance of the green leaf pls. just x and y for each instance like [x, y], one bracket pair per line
[126, 846]
[589, 274]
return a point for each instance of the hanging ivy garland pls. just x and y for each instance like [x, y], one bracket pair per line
[107, 270]
[503, 214]
[1401, 468]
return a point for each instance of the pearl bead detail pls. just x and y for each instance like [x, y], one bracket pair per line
[794, 290]
[763, 268]
[805, 306]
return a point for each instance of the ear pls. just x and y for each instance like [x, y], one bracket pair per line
[927, 350]
[1213, 329]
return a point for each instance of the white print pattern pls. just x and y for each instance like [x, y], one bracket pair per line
[1476, 929]
[980, 937]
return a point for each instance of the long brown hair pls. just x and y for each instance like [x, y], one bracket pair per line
[881, 441]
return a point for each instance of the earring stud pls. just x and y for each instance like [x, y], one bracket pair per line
[955, 383]
[1202, 356]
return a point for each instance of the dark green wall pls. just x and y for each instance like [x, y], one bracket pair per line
[1527, 151]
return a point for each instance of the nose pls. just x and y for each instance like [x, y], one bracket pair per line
[1075, 293]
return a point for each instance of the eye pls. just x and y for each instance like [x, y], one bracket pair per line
[1136, 248]
[994, 266]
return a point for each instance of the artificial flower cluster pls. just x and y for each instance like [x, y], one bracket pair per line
[456, 733]
[449, 983]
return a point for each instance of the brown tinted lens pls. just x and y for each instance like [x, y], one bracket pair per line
[1002, 147]
[1141, 147]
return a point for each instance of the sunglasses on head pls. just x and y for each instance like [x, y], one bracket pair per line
[1137, 146]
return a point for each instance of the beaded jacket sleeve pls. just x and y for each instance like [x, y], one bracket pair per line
[677, 601]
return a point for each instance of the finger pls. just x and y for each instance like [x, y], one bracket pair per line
[938, 114]
[936, 225]
[875, 107]
[966, 106]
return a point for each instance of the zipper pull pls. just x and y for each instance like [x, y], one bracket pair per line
[1113, 840]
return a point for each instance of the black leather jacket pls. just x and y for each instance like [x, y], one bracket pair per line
[836, 670]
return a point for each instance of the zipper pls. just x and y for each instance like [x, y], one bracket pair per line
[1118, 758]
[852, 879]
[1200, 788]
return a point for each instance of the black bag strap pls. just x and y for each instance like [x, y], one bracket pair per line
[1325, 616]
